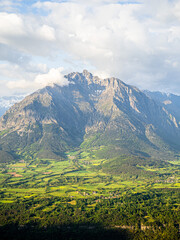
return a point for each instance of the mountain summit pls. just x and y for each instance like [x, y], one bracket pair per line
[90, 113]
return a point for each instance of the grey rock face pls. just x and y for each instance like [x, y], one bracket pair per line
[89, 112]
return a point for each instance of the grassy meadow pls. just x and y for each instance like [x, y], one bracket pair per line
[84, 175]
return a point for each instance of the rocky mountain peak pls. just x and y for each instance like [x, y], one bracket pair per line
[88, 78]
[91, 110]
[87, 74]
[81, 78]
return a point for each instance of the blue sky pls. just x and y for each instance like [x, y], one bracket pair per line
[136, 41]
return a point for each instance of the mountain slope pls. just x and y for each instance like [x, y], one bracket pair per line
[88, 113]
[170, 102]
[7, 101]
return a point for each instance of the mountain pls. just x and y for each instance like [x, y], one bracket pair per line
[104, 116]
[7, 101]
[169, 101]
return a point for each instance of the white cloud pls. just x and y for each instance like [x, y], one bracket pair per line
[27, 34]
[53, 76]
[47, 32]
[139, 43]
[11, 25]
[20, 84]
[15, 71]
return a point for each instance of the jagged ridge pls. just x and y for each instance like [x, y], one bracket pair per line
[88, 113]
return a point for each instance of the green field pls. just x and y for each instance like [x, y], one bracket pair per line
[83, 174]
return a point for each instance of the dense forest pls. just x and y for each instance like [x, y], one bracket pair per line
[152, 214]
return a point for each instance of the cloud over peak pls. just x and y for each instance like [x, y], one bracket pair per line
[53, 76]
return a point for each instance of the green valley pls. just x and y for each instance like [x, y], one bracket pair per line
[138, 195]
[95, 159]
[80, 176]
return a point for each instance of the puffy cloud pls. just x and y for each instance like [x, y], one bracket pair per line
[27, 34]
[129, 41]
[53, 76]
[11, 25]
[47, 32]
[137, 41]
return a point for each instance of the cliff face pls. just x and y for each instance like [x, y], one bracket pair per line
[170, 102]
[89, 112]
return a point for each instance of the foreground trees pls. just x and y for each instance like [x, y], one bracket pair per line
[149, 215]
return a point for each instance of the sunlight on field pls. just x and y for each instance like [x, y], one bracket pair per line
[79, 177]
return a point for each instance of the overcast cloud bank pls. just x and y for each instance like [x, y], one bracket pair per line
[137, 42]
